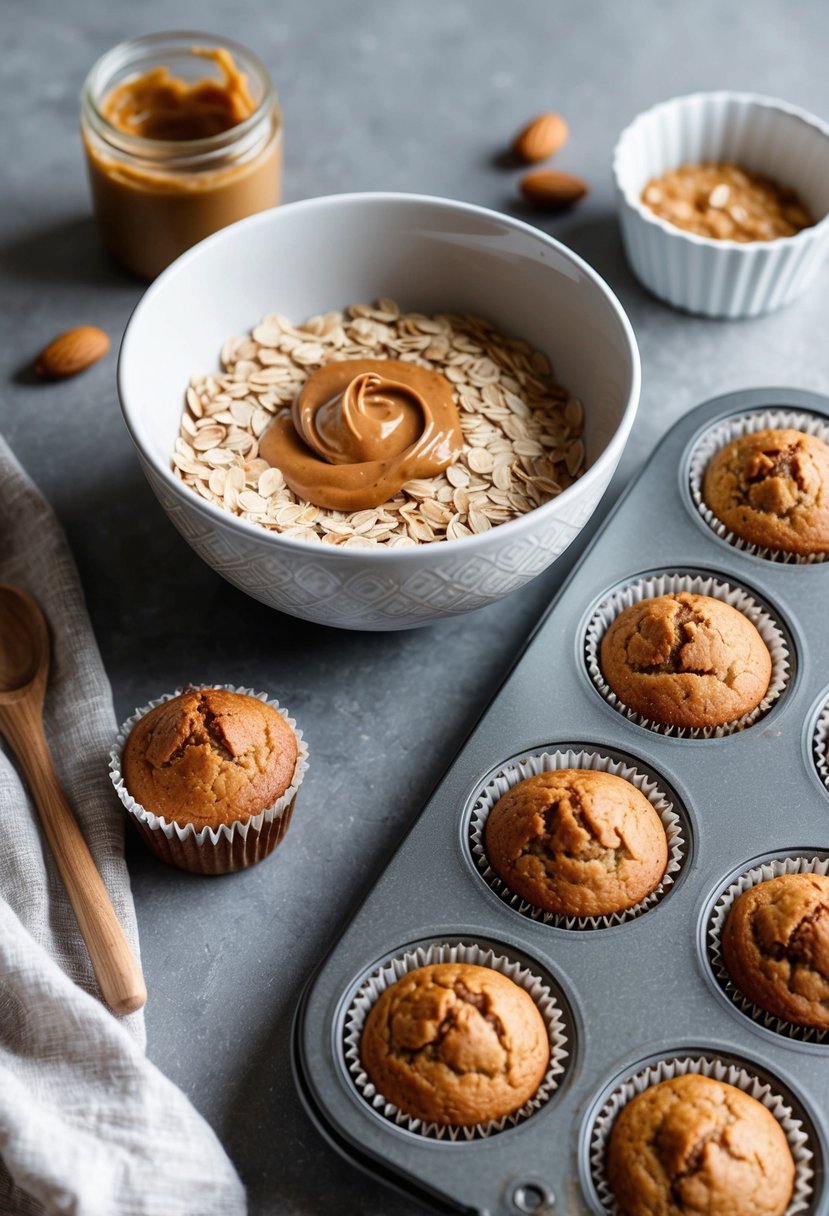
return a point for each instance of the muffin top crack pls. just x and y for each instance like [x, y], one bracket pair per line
[775, 946]
[692, 1144]
[771, 488]
[685, 660]
[577, 842]
[455, 1043]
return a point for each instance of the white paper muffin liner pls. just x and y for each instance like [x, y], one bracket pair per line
[229, 846]
[719, 1070]
[545, 762]
[724, 433]
[820, 745]
[443, 952]
[671, 584]
[723, 278]
[719, 915]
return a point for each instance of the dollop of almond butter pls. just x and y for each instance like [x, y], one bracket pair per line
[360, 429]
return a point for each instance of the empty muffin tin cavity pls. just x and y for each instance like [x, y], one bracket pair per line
[548, 998]
[715, 915]
[772, 630]
[496, 783]
[752, 1079]
[724, 432]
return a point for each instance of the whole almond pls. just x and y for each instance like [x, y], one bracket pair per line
[72, 352]
[540, 138]
[549, 188]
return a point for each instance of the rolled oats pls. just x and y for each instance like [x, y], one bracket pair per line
[522, 430]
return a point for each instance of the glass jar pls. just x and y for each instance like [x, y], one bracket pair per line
[154, 198]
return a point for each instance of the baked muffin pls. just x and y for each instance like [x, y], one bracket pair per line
[772, 489]
[686, 660]
[692, 1144]
[576, 842]
[775, 945]
[209, 758]
[454, 1043]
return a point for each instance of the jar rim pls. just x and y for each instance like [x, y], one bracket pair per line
[179, 41]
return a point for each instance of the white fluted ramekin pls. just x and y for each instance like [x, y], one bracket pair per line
[714, 277]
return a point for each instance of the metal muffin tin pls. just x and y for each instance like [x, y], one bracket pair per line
[635, 991]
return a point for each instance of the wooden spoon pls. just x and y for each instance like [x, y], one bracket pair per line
[24, 667]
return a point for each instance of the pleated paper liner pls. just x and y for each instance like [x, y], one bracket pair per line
[207, 850]
[444, 952]
[543, 762]
[734, 428]
[719, 915]
[719, 1070]
[820, 745]
[670, 584]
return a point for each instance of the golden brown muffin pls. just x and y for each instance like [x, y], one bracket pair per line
[686, 660]
[695, 1145]
[456, 1044]
[775, 945]
[577, 842]
[209, 757]
[772, 489]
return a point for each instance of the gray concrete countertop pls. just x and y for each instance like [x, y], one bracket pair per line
[377, 94]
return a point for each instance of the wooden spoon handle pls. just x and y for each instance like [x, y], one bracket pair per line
[116, 969]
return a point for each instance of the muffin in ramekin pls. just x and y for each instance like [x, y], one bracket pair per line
[209, 776]
[716, 277]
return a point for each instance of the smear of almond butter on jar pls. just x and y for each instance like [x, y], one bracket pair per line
[360, 429]
[157, 105]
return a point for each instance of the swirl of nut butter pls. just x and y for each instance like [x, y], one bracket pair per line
[359, 429]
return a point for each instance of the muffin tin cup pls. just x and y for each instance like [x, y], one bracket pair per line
[443, 952]
[670, 584]
[544, 762]
[820, 745]
[208, 850]
[719, 1070]
[719, 914]
[724, 433]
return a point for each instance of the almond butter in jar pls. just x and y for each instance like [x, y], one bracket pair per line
[176, 151]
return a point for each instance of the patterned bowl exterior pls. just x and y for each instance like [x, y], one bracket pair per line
[313, 582]
[711, 277]
[426, 251]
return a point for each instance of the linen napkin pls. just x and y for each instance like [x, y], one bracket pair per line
[88, 1125]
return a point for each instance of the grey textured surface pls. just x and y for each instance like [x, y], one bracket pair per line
[377, 95]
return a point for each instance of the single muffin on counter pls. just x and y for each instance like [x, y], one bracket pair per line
[775, 946]
[577, 842]
[686, 660]
[693, 1144]
[455, 1043]
[771, 488]
[210, 758]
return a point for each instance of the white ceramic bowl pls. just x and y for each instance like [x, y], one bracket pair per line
[429, 254]
[712, 277]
